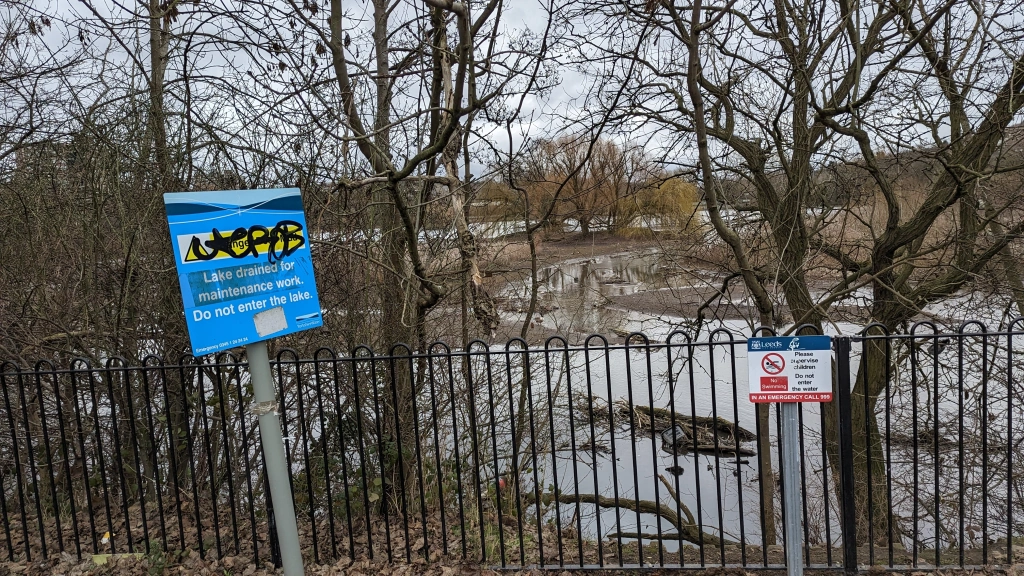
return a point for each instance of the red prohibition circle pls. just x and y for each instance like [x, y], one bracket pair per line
[773, 363]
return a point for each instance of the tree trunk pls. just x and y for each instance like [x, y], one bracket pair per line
[766, 473]
[159, 38]
[869, 466]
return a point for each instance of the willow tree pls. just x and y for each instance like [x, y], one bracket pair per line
[915, 101]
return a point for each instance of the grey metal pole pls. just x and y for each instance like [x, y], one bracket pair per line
[791, 487]
[273, 454]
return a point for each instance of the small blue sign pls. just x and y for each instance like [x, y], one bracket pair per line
[244, 266]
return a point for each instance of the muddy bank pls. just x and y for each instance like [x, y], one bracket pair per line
[508, 260]
[605, 284]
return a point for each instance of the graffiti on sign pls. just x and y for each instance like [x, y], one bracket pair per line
[278, 242]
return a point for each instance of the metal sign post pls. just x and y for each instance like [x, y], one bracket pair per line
[273, 454]
[790, 460]
[246, 276]
[789, 370]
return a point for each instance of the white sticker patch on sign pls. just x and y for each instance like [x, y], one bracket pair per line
[270, 321]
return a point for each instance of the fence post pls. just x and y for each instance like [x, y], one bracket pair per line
[847, 503]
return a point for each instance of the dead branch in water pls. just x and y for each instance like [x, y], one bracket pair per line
[684, 523]
[699, 434]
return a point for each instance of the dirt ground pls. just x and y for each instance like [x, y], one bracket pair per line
[192, 565]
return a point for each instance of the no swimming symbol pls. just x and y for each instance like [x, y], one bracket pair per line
[773, 363]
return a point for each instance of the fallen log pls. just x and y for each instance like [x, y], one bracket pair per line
[663, 419]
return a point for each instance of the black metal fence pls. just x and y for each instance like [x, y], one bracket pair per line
[640, 453]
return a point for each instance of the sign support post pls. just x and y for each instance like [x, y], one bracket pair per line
[789, 370]
[790, 444]
[273, 454]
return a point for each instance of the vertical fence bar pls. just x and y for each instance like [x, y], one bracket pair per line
[7, 523]
[533, 456]
[1010, 389]
[675, 441]
[80, 432]
[961, 512]
[324, 451]
[275, 544]
[403, 488]
[357, 414]
[690, 355]
[915, 438]
[761, 491]
[54, 502]
[379, 424]
[222, 400]
[984, 449]
[935, 455]
[242, 409]
[19, 477]
[717, 443]
[190, 447]
[736, 443]
[554, 454]
[514, 435]
[842, 347]
[826, 488]
[654, 450]
[888, 447]
[339, 418]
[803, 483]
[304, 439]
[458, 459]
[633, 423]
[438, 462]
[575, 469]
[118, 449]
[153, 452]
[32, 466]
[611, 437]
[475, 443]
[869, 417]
[497, 479]
[172, 452]
[283, 403]
[416, 377]
[204, 418]
[139, 480]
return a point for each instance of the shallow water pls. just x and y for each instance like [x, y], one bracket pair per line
[722, 493]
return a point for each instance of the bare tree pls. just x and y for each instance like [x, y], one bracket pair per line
[769, 94]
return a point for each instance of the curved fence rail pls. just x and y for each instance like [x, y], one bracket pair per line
[640, 453]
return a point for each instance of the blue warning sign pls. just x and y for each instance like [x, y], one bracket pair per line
[244, 266]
